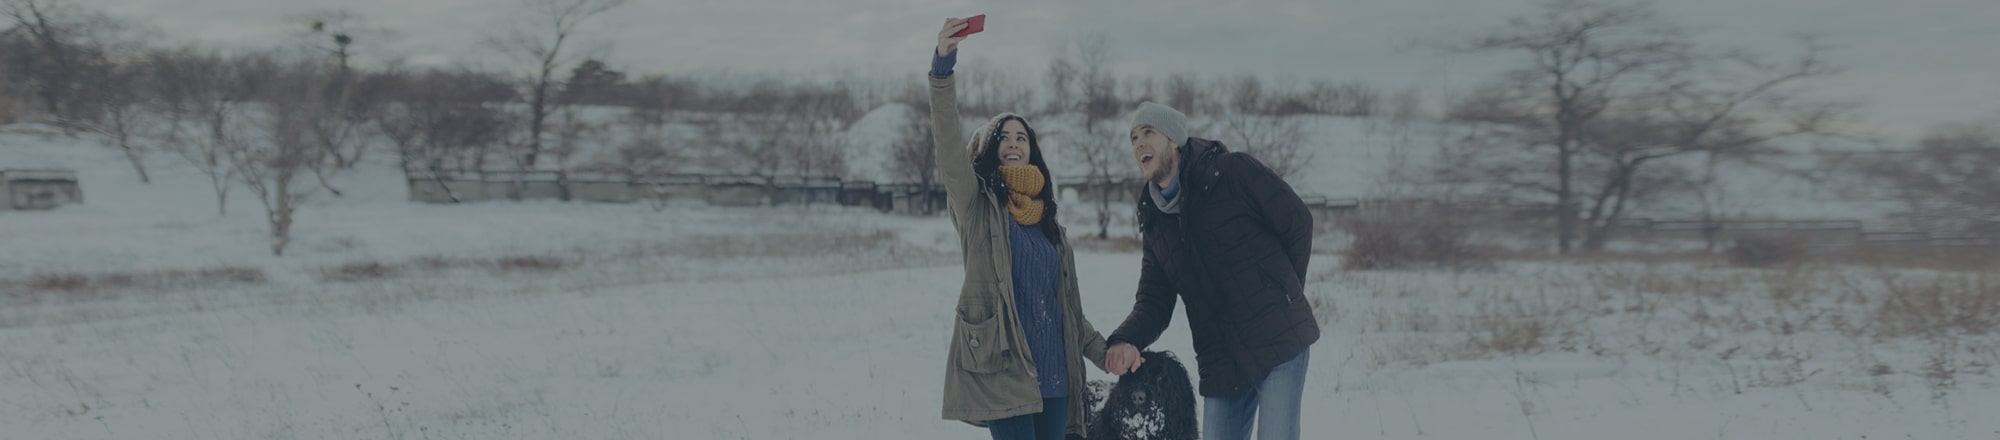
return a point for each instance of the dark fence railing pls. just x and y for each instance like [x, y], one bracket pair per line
[458, 186]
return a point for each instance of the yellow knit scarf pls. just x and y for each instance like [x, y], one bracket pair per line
[1024, 187]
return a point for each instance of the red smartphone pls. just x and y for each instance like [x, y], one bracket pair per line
[973, 25]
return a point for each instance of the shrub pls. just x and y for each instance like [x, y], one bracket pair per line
[1766, 251]
[1410, 241]
[360, 271]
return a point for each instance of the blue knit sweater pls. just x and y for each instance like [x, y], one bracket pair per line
[1037, 271]
[941, 65]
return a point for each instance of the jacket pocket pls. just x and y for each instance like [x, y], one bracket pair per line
[1285, 283]
[985, 346]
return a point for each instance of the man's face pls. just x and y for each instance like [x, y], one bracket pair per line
[1157, 157]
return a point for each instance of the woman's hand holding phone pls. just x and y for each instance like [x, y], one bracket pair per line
[956, 30]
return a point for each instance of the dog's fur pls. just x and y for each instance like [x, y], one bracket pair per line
[1154, 403]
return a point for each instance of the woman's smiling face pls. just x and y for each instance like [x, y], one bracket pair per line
[1014, 147]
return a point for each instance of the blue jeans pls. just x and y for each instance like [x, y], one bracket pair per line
[1276, 398]
[1045, 425]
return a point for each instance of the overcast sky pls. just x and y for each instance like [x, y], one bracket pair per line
[1915, 63]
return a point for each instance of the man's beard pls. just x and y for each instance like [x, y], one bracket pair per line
[1166, 166]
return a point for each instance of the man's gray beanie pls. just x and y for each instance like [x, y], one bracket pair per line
[1168, 121]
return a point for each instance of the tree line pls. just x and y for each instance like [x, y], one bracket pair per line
[1610, 106]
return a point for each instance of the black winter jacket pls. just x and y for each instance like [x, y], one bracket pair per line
[1236, 254]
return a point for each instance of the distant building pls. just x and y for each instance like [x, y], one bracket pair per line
[38, 189]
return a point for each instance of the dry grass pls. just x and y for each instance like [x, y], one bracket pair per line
[1506, 324]
[795, 245]
[360, 271]
[435, 263]
[778, 245]
[82, 286]
[1945, 258]
[1514, 328]
[1781, 252]
[1767, 328]
[1939, 306]
[370, 270]
[1411, 240]
[528, 263]
[1586, 258]
[1767, 251]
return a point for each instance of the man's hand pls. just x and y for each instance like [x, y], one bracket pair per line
[1122, 358]
[946, 43]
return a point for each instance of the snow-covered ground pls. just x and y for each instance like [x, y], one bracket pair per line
[699, 322]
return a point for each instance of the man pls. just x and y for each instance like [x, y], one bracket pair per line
[1228, 237]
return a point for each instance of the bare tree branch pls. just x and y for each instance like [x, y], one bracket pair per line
[541, 42]
[1608, 90]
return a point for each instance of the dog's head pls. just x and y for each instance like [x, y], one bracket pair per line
[1160, 374]
[1154, 402]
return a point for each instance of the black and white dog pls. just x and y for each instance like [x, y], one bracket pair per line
[1154, 403]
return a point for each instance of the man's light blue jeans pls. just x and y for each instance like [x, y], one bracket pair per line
[1273, 403]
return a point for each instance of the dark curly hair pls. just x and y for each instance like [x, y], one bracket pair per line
[987, 165]
[1155, 402]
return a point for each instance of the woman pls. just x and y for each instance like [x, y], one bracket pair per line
[1017, 350]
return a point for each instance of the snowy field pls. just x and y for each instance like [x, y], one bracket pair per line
[537, 320]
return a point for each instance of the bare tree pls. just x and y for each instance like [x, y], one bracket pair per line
[1277, 141]
[120, 110]
[277, 143]
[1580, 50]
[1246, 95]
[786, 130]
[815, 140]
[1091, 89]
[647, 153]
[199, 95]
[1099, 86]
[336, 129]
[1946, 184]
[1351, 99]
[640, 159]
[109, 93]
[454, 118]
[1611, 88]
[13, 89]
[1061, 83]
[1747, 103]
[754, 143]
[1139, 89]
[399, 122]
[989, 91]
[654, 98]
[542, 42]
[590, 82]
[58, 52]
[1185, 92]
[912, 158]
[573, 133]
[121, 117]
[646, 156]
[336, 34]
